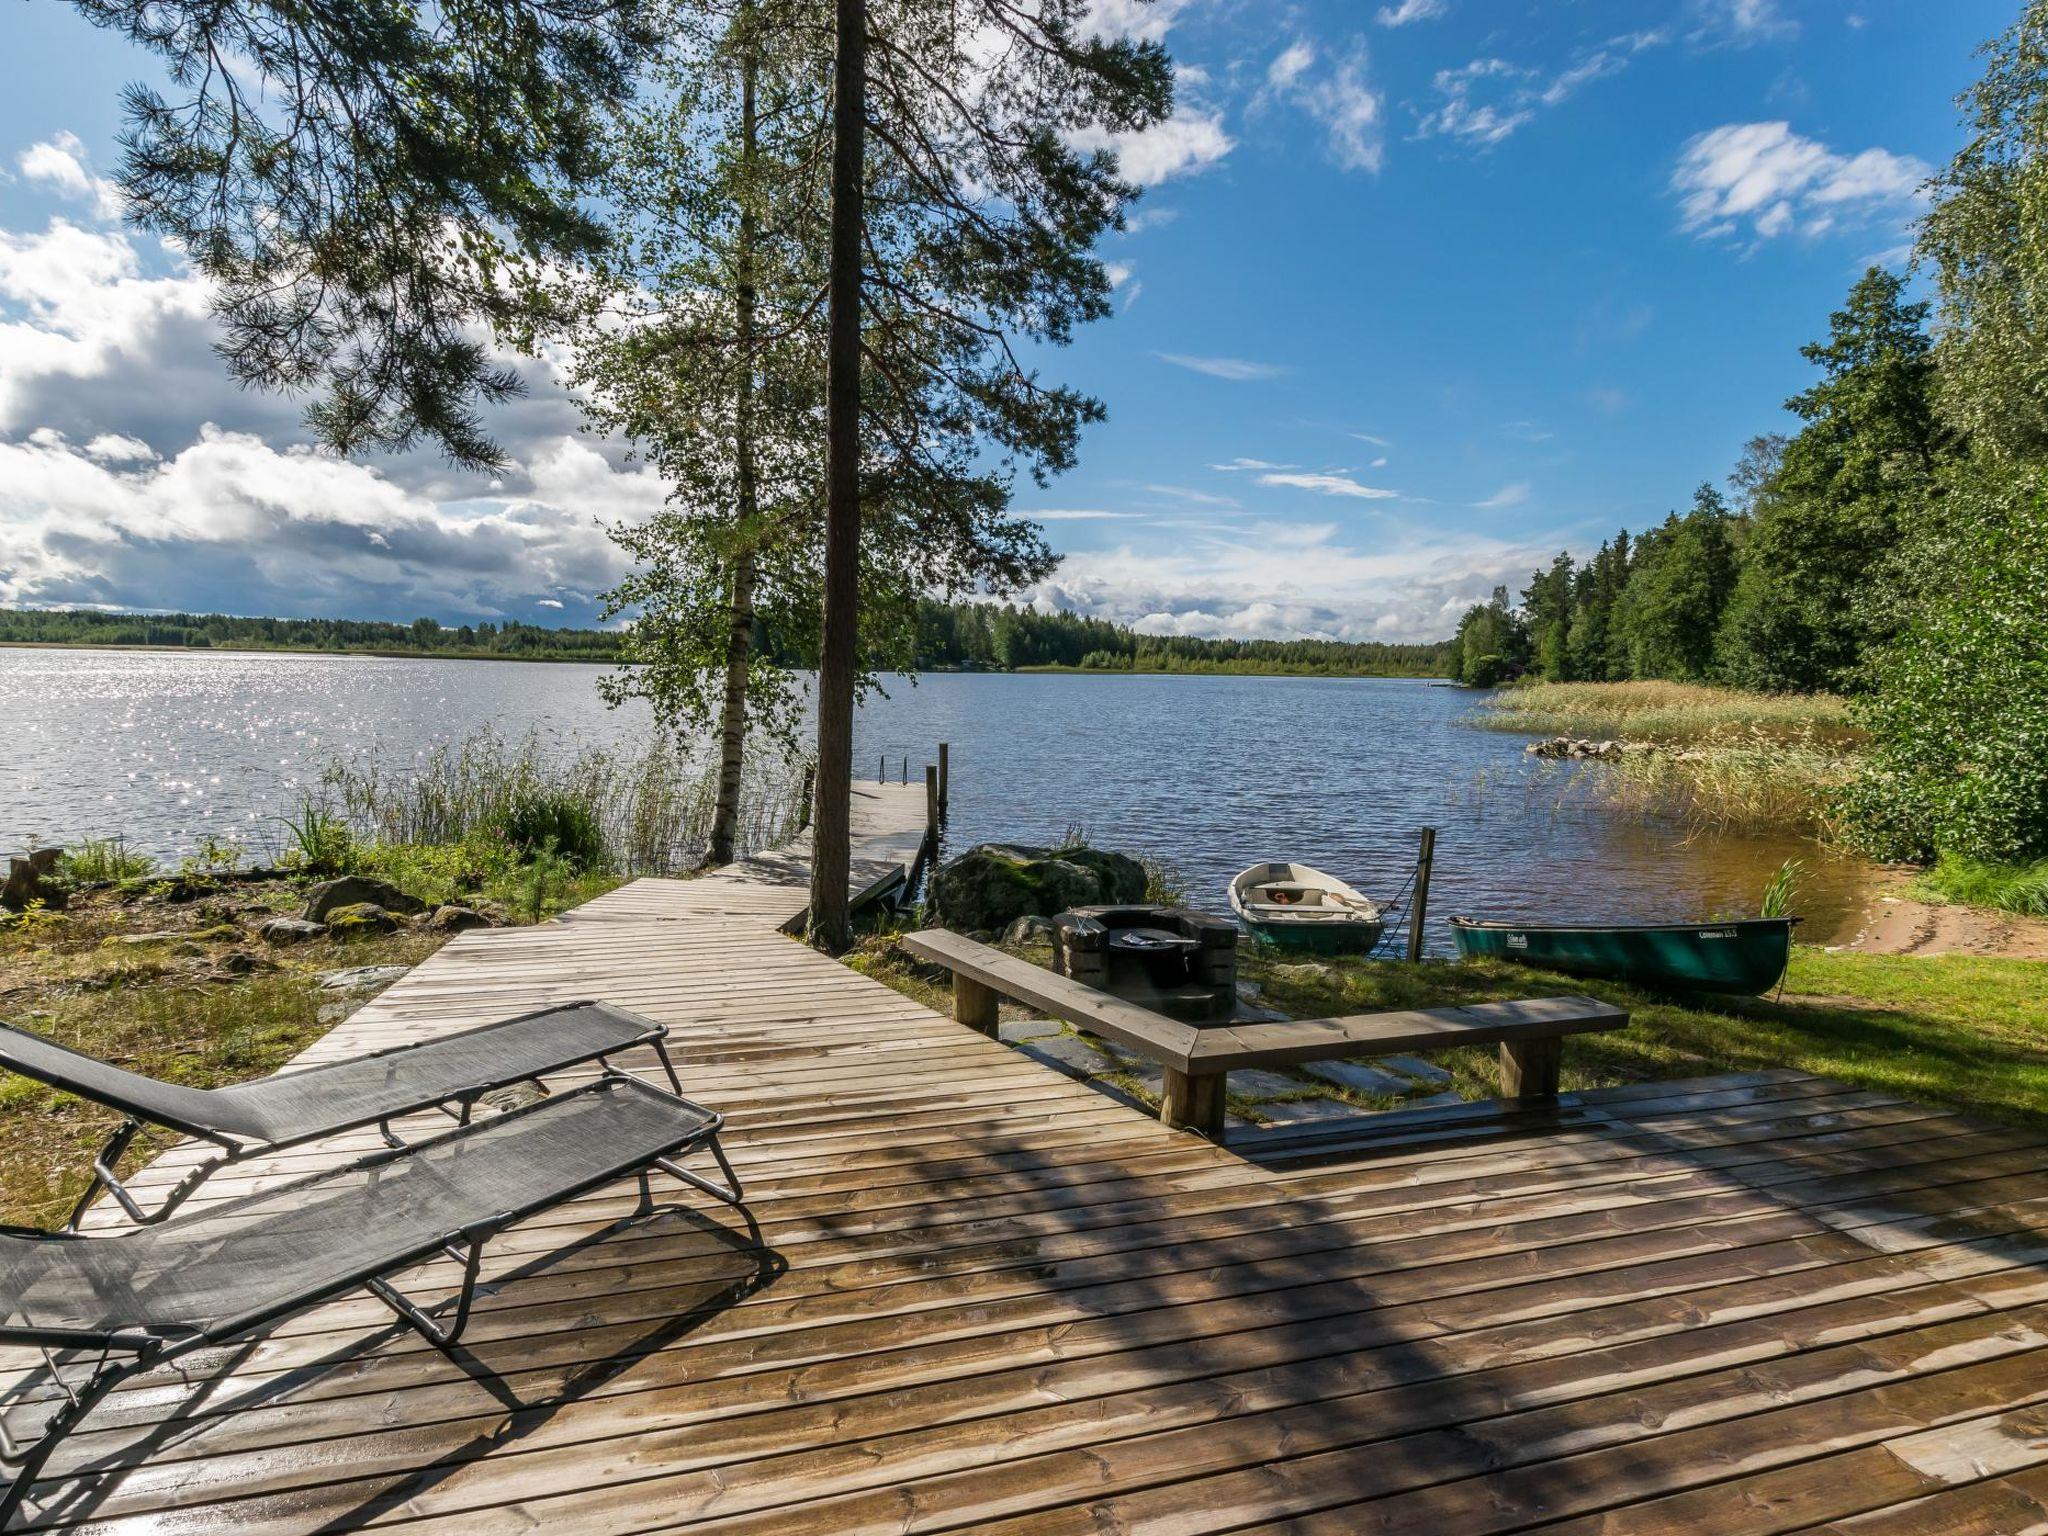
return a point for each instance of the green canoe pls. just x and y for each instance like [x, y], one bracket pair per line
[1747, 956]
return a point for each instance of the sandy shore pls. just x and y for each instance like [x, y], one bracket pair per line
[1894, 923]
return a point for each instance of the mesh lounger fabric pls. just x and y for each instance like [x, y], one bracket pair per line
[334, 1097]
[265, 1254]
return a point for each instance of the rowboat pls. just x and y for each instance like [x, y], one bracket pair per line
[1295, 906]
[1746, 956]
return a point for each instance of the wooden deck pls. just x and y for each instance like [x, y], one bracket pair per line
[998, 1301]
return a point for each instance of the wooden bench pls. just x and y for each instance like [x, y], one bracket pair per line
[1195, 1061]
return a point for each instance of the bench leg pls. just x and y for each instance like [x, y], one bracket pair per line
[1529, 1068]
[1193, 1103]
[975, 1005]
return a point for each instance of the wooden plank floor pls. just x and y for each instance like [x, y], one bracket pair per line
[1000, 1302]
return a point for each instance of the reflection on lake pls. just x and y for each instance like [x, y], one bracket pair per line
[1210, 773]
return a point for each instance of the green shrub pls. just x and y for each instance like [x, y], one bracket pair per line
[1959, 717]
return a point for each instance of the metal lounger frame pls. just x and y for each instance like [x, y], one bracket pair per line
[234, 1150]
[145, 1350]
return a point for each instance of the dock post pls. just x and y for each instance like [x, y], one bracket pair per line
[931, 808]
[882, 769]
[945, 781]
[906, 767]
[1418, 905]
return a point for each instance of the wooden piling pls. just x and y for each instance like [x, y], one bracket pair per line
[1418, 904]
[945, 780]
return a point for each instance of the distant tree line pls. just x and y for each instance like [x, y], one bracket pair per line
[196, 631]
[1005, 637]
[968, 635]
[1795, 585]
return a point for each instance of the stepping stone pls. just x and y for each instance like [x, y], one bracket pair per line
[1124, 1055]
[1148, 1075]
[1417, 1068]
[1311, 1112]
[1017, 1031]
[1435, 1101]
[1359, 1077]
[1255, 1084]
[362, 978]
[1067, 1053]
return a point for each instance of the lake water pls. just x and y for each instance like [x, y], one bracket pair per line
[1209, 773]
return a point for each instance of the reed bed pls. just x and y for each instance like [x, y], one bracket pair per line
[1671, 713]
[1717, 761]
[1738, 783]
[644, 812]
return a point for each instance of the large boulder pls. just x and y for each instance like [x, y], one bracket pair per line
[991, 886]
[329, 896]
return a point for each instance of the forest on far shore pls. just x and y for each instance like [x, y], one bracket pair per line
[964, 636]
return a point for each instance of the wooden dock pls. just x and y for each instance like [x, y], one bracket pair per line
[998, 1301]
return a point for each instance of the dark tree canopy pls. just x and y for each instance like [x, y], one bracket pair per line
[373, 186]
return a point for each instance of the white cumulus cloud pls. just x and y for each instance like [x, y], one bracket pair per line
[59, 164]
[1770, 181]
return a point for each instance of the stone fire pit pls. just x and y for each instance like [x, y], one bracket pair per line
[1176, 962]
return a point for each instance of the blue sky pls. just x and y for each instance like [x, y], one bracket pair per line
[1419, 293]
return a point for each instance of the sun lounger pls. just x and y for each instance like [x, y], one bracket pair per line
[450, 1073]
[150, 1294]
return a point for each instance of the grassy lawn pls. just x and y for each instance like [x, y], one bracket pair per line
[179, 990]
[1960, 1031]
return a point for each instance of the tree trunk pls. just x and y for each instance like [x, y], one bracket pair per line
[739, 637]
[732, 725]
[838, 659]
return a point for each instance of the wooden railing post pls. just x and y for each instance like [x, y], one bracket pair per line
[1530, 1069]
[1418, 904]
[945, 780]
[975, 1005]
[1192, 1102]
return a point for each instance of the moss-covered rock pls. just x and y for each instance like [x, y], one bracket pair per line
[989, 887]
[359, 918]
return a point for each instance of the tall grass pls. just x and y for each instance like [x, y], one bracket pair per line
[1669, 713]
[98, 859]
[2021, 888]
[646, 812]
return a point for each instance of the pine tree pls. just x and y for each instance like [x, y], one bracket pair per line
[971, 225]
[365, 185]
[1845, 491]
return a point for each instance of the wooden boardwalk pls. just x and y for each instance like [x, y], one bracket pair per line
[998, 1301]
